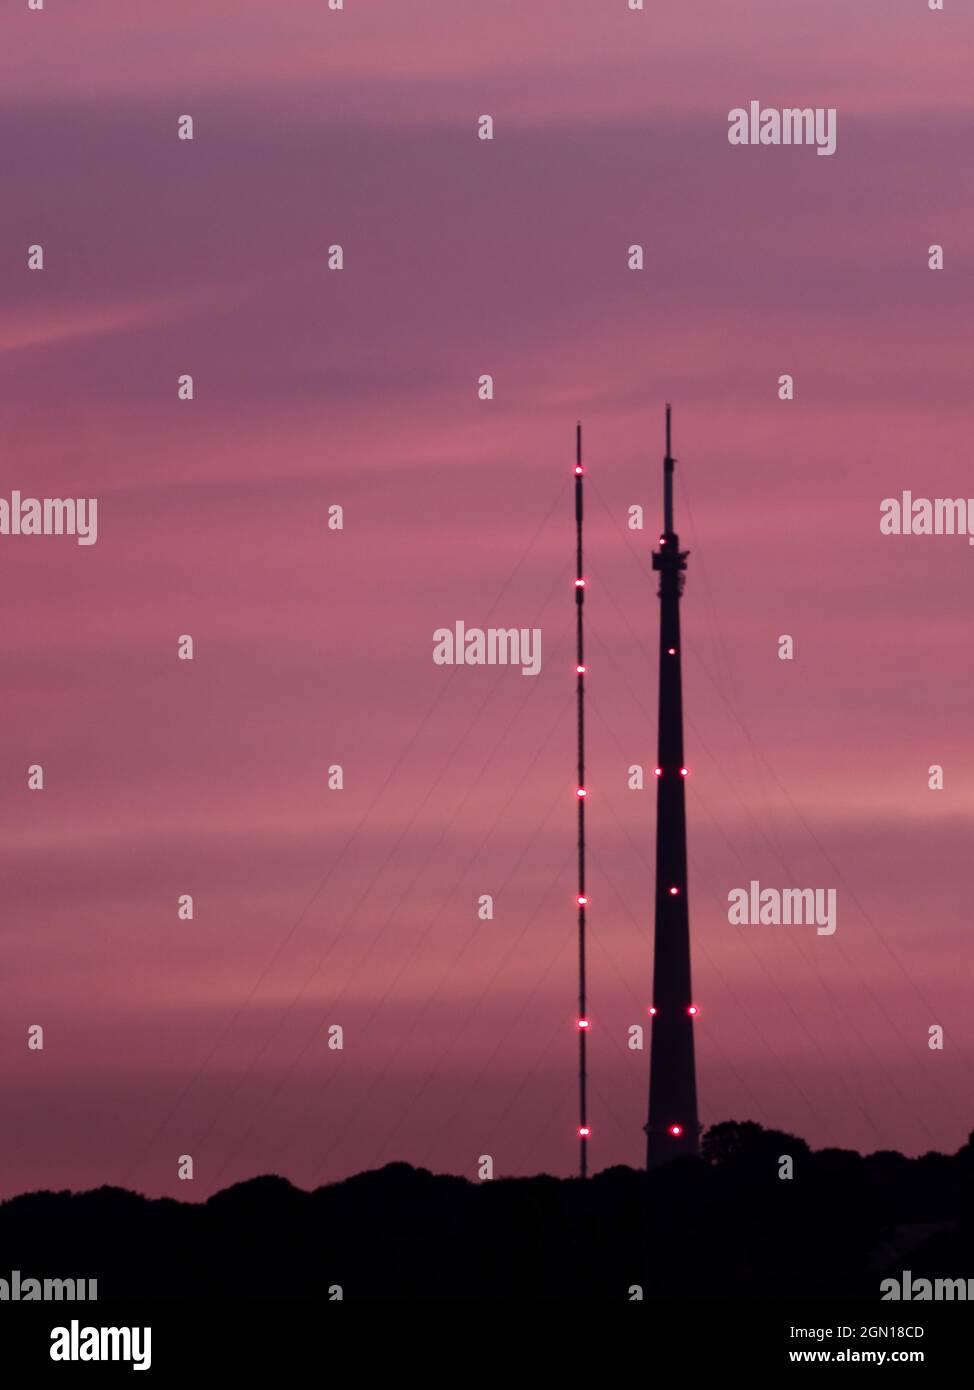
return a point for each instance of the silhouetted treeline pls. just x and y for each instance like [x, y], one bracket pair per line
[724, 1225]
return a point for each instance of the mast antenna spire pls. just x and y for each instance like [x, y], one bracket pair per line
[581, 899]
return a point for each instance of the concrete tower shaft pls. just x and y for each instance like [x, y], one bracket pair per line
[673, 1129]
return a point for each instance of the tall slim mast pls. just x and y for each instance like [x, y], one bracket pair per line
[672, 1129]
[581, 899]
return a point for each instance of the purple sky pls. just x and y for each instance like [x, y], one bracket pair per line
[313, 907]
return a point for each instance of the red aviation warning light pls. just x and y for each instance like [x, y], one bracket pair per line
[673, 892]
[584, 1023]
[692, 1010]
[675, 1130]
[583, 1131]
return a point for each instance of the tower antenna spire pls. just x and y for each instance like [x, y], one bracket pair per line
[581, 793]
[668, 463]
[672, 1129]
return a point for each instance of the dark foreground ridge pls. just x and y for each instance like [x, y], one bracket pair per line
[721, 1226]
